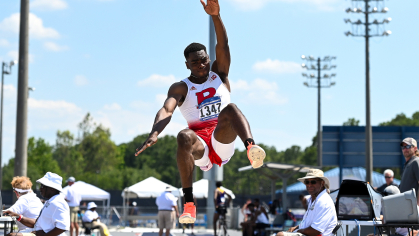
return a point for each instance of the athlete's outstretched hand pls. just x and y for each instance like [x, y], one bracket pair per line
[150, 141]
[212, 7]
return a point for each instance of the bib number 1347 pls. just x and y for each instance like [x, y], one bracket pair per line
[209, 108]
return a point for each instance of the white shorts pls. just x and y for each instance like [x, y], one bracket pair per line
[224, 151]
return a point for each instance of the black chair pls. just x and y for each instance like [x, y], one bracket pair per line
[88, 230]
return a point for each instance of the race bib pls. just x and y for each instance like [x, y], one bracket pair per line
[209, 108]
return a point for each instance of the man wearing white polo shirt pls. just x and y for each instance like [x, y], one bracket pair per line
[320, 217]
[73, 198]
[91, 219]
[54, 218]
[166, 203]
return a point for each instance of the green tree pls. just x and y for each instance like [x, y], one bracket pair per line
[351, 122]
[402, 120]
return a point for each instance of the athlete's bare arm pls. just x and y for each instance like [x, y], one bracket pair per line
[175, 96]
[222, 65]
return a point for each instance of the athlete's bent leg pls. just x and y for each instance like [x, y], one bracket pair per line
[189, 149]
[232, 123]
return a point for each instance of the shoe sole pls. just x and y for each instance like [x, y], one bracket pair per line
[187, 220]
[257, 154]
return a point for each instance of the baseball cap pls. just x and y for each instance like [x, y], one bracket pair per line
[71, 179]
[409, 141]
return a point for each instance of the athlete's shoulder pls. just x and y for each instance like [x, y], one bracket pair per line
[178, 88]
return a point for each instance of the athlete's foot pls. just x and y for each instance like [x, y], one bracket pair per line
[189, 214]
[207, 167]
[256, 155]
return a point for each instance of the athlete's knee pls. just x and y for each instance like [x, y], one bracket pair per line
[185, 137]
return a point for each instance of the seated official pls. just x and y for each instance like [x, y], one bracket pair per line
[320, 217]
[249, 224]
[27, 204]
[91, 219]
[54, 218]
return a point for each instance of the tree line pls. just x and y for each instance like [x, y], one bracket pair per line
[94, 158]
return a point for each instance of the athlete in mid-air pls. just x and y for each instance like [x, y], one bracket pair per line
[214, 123]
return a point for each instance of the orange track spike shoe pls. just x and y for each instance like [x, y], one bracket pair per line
[189, 214]
[256, 155]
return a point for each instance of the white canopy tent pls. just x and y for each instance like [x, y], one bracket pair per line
[148, 188]
[200, 189]
[90, 192]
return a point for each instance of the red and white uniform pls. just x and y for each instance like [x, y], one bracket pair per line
[201, 108]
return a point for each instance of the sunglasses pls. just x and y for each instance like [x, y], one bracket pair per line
[312, 182]
[407, 147]
[42, 186]
[388, 177]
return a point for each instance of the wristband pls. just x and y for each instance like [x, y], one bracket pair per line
[20, 218]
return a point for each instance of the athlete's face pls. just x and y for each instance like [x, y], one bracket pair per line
[199, 63]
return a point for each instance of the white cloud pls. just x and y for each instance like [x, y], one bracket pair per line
[4, 43]
[258, 91]
[80, 80]
[54, 47]
[277, 67]
[36, 26]
[252, 5]
[113, 107]
[160, 98]
[15, 56]
[48, 5]
[157, 81]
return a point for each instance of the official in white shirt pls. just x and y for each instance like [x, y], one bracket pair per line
[54, 218]
[168, 211]
[91, 219]
[73, 198]
[320, 217]
[27, 204]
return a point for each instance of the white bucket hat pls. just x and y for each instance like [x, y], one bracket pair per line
[316, 173]
[91, 205]
[51, 180]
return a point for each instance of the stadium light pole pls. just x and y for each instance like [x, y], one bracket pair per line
[362, 29]
[322, 82]
[6, 69]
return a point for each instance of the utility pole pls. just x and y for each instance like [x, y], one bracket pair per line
[325, 83]
[6, 69]
[363, 6]
[21, 158]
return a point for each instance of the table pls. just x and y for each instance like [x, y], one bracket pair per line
[6, 220]
[410, 227]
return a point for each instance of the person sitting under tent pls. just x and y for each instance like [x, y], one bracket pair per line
[27, 204]
[320, 217]
[54, 218]
[91, 219]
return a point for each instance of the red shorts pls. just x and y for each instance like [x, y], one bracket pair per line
[205, 131]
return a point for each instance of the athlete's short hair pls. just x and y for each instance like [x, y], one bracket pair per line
[219, 184]
[193, 47]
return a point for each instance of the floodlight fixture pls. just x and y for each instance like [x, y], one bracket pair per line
[333, 75]
[375, 22]
[347, 33]
[387, 20]
[332, 83]
[332, 66]
[387, 33]
[306, 84]
[303, 57]
[325, 67]
[347, 20]
[348, 10]
[304, 65]
[358, 22]
[312, 76]
[311, 57]
[313, 67]
[305, 75]
[384, 10]
[375, 9]
[325, 76]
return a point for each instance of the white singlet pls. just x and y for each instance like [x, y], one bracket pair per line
[205, 101]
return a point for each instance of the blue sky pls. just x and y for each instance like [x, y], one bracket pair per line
[117, 58]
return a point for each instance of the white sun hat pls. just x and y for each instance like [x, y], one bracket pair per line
[91, 205]
[51, 180]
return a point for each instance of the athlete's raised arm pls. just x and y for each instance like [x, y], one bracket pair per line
[222, 64]
[175, 94]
